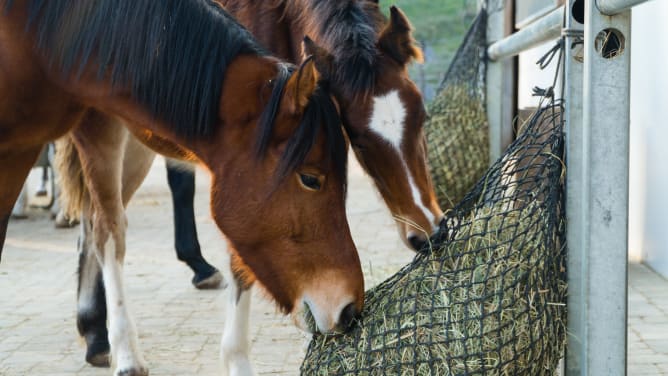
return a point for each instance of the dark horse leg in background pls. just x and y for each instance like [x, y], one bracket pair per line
[4, 222]
[182, 184]
[91, 308]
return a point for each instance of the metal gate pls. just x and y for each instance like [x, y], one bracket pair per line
[596, 74]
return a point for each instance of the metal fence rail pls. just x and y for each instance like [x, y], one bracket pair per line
[613, 7]
[542, 30]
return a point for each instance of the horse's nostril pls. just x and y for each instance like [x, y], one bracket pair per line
[348, 315]
[416, 242]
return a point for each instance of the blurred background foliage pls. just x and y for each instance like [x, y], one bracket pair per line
[440, 26]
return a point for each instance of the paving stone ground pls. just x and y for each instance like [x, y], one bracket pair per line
[179, 327]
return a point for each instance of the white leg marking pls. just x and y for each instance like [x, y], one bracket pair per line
[122, 332]
[235, 343]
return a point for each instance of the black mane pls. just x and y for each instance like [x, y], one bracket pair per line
[349, 34]
[319, 115]
[171, 54]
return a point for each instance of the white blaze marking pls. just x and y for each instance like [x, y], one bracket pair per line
[418, 202]
[387, 120]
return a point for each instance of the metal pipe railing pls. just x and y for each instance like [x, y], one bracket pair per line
[500, 83]
[541, 30]
[612, 7]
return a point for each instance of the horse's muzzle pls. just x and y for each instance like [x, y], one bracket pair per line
[421, 244]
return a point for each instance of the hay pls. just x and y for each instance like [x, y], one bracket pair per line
[457, 142]
[493, 314]
[457, 129]
[489, 298]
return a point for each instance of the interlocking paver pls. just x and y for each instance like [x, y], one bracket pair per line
[648, 323]
[179, 327]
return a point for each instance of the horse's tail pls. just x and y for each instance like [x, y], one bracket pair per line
[73, 190]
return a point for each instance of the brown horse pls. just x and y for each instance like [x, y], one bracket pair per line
[383, 112]
[189, 81]
[382, 109]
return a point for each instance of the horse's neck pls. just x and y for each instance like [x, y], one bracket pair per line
[269, 24]
[303, 21]
[306, 18]
[279, 25]
[91, 91]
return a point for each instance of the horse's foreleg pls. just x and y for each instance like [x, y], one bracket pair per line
[14, 168]
[235, 343]
[182, 185]
[100, 142]
[91, 303]
[109, 226]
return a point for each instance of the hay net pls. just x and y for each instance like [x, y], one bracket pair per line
[489, 297]
[457, 128]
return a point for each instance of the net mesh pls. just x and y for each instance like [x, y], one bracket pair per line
[489, 297]
[457, 129]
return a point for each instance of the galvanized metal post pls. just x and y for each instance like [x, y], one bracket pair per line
[575, 220]
[598, 163]
[500, 86]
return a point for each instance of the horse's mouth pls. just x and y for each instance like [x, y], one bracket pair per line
[304, 319]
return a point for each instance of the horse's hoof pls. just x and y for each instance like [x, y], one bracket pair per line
[141, 371]
[97, 355]
[213, 281]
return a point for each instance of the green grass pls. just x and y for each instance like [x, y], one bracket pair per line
[440, 26]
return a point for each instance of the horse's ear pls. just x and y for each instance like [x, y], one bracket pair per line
[301, 86]
[324, 61]
[396, 39]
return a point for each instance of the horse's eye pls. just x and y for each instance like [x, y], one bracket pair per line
[310, 182]
[359, 147]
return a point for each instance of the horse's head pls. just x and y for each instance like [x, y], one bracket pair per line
[279, 186]
[385, 130]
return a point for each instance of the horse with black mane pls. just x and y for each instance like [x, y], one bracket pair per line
[383, 117]
[188, 80]
[382, 109]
